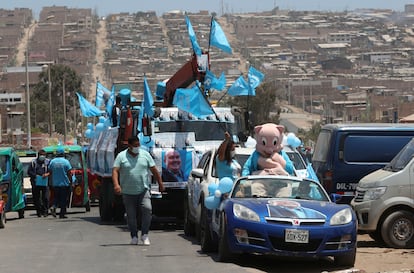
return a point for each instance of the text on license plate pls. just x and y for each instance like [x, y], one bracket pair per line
[296, 236]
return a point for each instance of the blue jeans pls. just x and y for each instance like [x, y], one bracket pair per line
[131, 203]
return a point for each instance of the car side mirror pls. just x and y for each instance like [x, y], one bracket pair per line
[197, 173]
[335, 197]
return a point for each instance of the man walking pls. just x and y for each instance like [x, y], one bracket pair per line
[38, 173]
[131, 179]
[59, 169]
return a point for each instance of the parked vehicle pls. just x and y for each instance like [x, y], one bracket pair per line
[385, 201]
[26, 158]
[344, 153]
[11, 186]
[292, 217]
[205, 174]
[76, 157]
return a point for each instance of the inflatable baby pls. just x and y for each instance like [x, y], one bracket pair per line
[268, 157]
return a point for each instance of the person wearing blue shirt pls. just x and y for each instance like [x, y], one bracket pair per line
[130, 176]
[251, 163]
[226, 165]
[59, 169]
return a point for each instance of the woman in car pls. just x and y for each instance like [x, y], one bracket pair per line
[226, 164]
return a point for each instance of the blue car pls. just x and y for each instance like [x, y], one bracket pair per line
[284, 216]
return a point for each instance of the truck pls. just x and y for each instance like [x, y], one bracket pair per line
[171, 132]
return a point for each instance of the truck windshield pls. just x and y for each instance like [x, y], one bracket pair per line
[402, 158]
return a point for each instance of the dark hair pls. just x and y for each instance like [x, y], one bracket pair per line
[41, 151]
[224, 150]
[131, 140]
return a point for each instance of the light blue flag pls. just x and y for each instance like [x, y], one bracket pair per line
[241, 88]
[193, 37]
[255, 77]
[211, 81]
[192, 101]
[87, 108]
[311, 173]
[100, 92]
[218, 38]
[148, 100]
[111, 102]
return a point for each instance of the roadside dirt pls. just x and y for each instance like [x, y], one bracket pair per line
[373, 257]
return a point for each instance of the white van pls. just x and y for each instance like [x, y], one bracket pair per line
[384, 201]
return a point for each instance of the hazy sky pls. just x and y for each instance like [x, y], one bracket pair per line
[105, 7]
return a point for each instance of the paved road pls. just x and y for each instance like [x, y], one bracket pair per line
[82, 244]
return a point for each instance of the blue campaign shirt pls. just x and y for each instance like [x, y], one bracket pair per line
[251, 163]
[59, 167]
[134, 171]
[224, 169]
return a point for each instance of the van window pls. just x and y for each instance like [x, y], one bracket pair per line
[322, 146]
[3, 163]
[372, 148]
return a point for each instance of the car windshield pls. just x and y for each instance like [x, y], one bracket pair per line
[278, 187]
[402, 158]
[25, 168]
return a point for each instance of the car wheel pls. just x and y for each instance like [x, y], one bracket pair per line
[346, 260]
[398, 230]
[376, 236]
[2, 219]
[189, 229]
[224, 253]
[198, 220]
[206, 242]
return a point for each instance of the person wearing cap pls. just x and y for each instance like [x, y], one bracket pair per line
[59, 169]
[130, 177]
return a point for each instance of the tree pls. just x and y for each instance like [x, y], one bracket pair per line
[40, 97]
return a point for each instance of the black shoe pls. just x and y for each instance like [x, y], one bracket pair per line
[63, 217]
[39, 215]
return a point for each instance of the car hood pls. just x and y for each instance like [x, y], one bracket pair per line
[291, 208]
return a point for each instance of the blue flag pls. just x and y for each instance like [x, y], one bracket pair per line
[241, 88]
[100, 92]
[218, 38]
[311, 173]
[255, 77]
[111, 102]
[192, 101]
[193, 37]
[148, 100]
[87, 108]
[210, 81]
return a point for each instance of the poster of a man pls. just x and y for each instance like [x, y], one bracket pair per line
[172, 167]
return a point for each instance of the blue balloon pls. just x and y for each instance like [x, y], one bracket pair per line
[102, 119]
[212, 187]
[212, 202]
[297, 143]
[89, 133]
[89, 126]
[99, 127]
[225, 185]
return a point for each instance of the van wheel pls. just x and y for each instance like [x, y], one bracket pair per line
[397, 230]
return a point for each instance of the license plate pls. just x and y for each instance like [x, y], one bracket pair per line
[296, 236]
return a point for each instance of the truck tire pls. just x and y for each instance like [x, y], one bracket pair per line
[397, 230]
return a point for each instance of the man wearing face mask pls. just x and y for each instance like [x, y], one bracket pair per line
[38, 173]
[226, 164]
[130, 175]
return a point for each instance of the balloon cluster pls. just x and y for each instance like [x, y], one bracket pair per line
[89, 133]
[216, 192]
[92, 131]
[293, 140]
